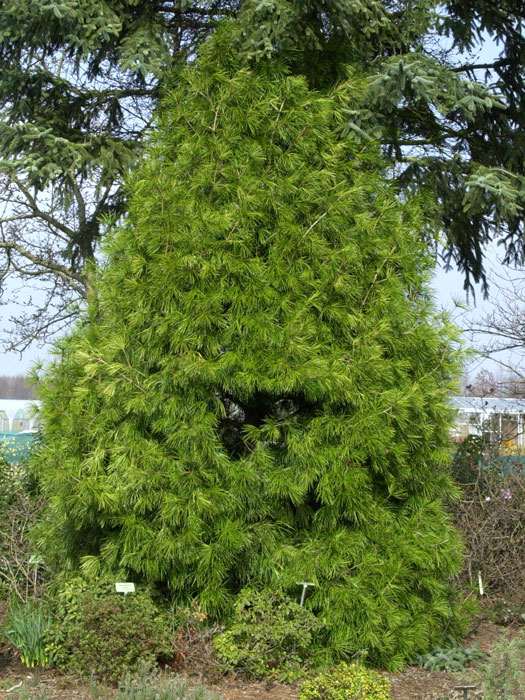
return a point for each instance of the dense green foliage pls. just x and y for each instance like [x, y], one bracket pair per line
[80, 81]
[260, 396]
[269, 636]
[346, 681]
[97, 631]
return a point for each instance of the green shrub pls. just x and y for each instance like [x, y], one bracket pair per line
[100, 632]
[270, 636]
[451, 659]
[507, 612]
[502, 676]
[26, 630]
[346, 681]
[467, 458]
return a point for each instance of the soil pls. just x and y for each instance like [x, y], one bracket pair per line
[413, 683]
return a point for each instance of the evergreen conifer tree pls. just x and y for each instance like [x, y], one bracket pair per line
[259, 396]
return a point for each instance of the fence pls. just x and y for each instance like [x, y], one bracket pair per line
[15, 446]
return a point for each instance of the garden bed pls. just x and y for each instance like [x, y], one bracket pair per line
[411, 684]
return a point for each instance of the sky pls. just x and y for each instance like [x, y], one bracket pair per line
[17, 363]
[464, 311]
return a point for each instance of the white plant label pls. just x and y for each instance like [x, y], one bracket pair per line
[125, 588]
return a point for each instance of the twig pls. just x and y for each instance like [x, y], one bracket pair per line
[14, 687]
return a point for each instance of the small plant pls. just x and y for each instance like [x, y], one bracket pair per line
[148, 684]
[451, 659]
[102, 633]
[28, 692]
[508, 612]
[502, 676]
[26, 630]
[270, 636]
[346, 681]
[468, 458]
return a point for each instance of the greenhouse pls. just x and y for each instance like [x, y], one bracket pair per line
[499, 419]
[17, 415]
[18, 424]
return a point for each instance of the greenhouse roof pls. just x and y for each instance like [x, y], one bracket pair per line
[477, 404]
[12, 407]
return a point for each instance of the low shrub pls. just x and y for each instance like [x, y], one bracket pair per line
[103, 633]
[192, 642]
[507, 612]
[346, 681]
[467, 458]
[27, 627]
[270, 636]
[451, 659]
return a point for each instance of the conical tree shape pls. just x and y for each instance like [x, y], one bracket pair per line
[260, 395]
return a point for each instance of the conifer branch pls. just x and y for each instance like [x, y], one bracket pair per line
[379, 269]
[121, 374]
[317, 221]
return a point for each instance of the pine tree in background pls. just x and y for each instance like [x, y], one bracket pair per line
[260, 394]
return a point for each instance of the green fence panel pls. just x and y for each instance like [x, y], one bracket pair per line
[508, 464]
[15, 446]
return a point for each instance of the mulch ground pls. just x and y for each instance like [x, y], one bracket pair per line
[413, 683]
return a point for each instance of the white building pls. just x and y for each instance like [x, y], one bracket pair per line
[17, 415]
[500, 420]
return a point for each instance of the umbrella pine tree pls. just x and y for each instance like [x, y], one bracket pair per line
[259, 394]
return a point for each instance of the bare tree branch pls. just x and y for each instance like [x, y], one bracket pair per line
[76, 280]
[44, 215]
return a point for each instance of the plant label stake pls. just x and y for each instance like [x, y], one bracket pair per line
[359, 653]
[305, 585]
[465, 689]
[125, 588]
